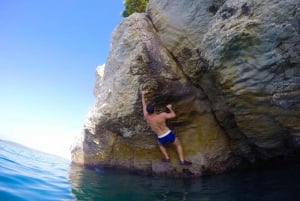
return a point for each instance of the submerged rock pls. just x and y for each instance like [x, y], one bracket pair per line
[231, 69]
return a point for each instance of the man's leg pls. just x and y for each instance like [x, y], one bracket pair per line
[179, 149]
[164, 151]
[180, 153]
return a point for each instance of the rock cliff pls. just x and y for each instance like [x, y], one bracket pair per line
[231, 69]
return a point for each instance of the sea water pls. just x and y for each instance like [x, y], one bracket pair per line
[30, 175]
[27, 174]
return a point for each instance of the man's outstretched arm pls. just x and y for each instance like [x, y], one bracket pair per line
[144, 104]
[172, 113]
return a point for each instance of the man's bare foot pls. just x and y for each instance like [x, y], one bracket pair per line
[165, 160]
[185, 162]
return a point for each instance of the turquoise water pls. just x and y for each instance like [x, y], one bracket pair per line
[26, 174]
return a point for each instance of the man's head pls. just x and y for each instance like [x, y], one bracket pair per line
[150, 108]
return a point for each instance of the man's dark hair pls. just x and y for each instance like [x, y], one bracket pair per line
[150, 108]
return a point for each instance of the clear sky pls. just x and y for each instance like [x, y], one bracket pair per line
[49, 50]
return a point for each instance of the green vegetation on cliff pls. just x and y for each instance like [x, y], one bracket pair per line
[134, 6]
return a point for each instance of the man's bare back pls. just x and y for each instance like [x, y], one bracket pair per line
[157, 121]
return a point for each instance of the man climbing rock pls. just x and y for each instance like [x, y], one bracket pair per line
[157, 122]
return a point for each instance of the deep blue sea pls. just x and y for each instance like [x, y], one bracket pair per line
[30, 175]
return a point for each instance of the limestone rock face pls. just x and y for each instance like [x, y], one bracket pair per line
[230, 68]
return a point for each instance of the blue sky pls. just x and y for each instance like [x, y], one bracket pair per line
[48, 56]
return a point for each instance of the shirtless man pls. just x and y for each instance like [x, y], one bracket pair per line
[157, 122]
